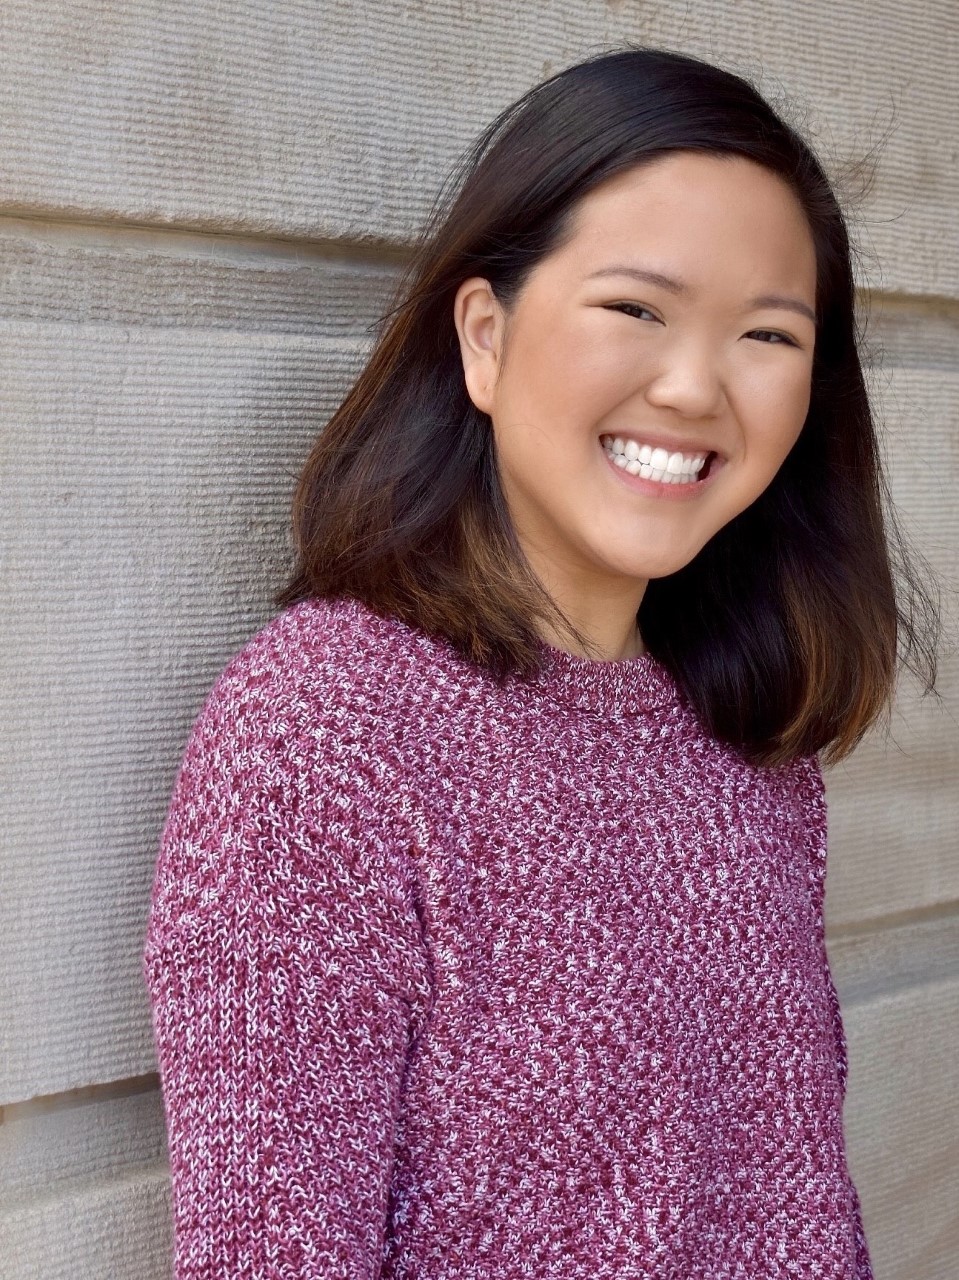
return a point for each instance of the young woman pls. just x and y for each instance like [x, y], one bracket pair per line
[487, 930]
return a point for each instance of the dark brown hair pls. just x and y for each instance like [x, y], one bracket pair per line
[783, 631]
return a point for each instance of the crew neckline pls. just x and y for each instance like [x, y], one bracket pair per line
[624, 685]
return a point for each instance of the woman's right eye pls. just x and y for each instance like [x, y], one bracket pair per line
[630, 308]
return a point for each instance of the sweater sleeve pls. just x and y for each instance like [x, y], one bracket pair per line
[287, 976]
[818, 831]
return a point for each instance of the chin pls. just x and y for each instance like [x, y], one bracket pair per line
[659, 566]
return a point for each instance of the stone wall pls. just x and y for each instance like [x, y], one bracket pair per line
[202, 208]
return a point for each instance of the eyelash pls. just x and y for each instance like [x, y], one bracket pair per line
[634, 306]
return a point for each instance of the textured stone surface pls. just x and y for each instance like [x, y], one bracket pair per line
[220, 208]
[338, 121]
[144, 493]
[57, 272]
[113, 1229]
[902, 1127]
[894, 805]
[897, 957]
[96, 1133]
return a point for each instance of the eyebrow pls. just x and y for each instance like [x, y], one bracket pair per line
[776, 300]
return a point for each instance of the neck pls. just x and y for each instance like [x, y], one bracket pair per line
[603, 612]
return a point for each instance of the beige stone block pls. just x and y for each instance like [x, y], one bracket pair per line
[908, 333]
[902, 1127]
[340, 122]
[53, 1146]
[894, 804]
[65, 272]
[871, 962]
[114, 1229]
[144, 495]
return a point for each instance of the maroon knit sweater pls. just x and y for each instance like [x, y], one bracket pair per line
[453, 978]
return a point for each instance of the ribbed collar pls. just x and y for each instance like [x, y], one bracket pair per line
[627, 686]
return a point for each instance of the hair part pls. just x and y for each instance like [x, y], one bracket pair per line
[784, 632]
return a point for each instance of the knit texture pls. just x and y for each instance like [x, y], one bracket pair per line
[459, 978]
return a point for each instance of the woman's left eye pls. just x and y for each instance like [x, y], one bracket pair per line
[630, 308]
[782, 337]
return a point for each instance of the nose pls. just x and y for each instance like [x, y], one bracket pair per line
[688, 381]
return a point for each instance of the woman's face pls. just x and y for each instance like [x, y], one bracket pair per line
[711, 361]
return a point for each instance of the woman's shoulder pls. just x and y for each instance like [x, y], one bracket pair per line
[288, 749]
[308, 702]
[321, 661]
[328, 695]
[309, 643]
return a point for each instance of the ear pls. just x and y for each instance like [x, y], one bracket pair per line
[479, 322]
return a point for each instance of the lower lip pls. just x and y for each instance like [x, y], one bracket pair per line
[665, 492]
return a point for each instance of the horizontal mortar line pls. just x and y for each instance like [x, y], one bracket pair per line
[900, 300]
[263, 337]
[171, 240]
[155, 1170]
[43, 1103]
[933, 914]
[883, 360]
[859, 991]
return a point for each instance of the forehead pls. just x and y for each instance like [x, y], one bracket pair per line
[695, 215]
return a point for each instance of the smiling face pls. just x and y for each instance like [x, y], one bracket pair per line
[592, 356]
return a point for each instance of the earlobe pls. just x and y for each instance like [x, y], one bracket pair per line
[476, 315]
[478, 388]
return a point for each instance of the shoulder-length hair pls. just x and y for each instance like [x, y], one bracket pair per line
[783, 631]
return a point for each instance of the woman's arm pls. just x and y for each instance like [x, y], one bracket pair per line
[286, 972]
[280, 1065]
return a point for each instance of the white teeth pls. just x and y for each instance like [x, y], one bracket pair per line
[654, 463]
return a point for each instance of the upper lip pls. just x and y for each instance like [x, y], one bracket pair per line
[689, 447]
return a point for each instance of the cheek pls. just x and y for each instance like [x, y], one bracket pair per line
[773, 414]
[547, 415]
[569, 373]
